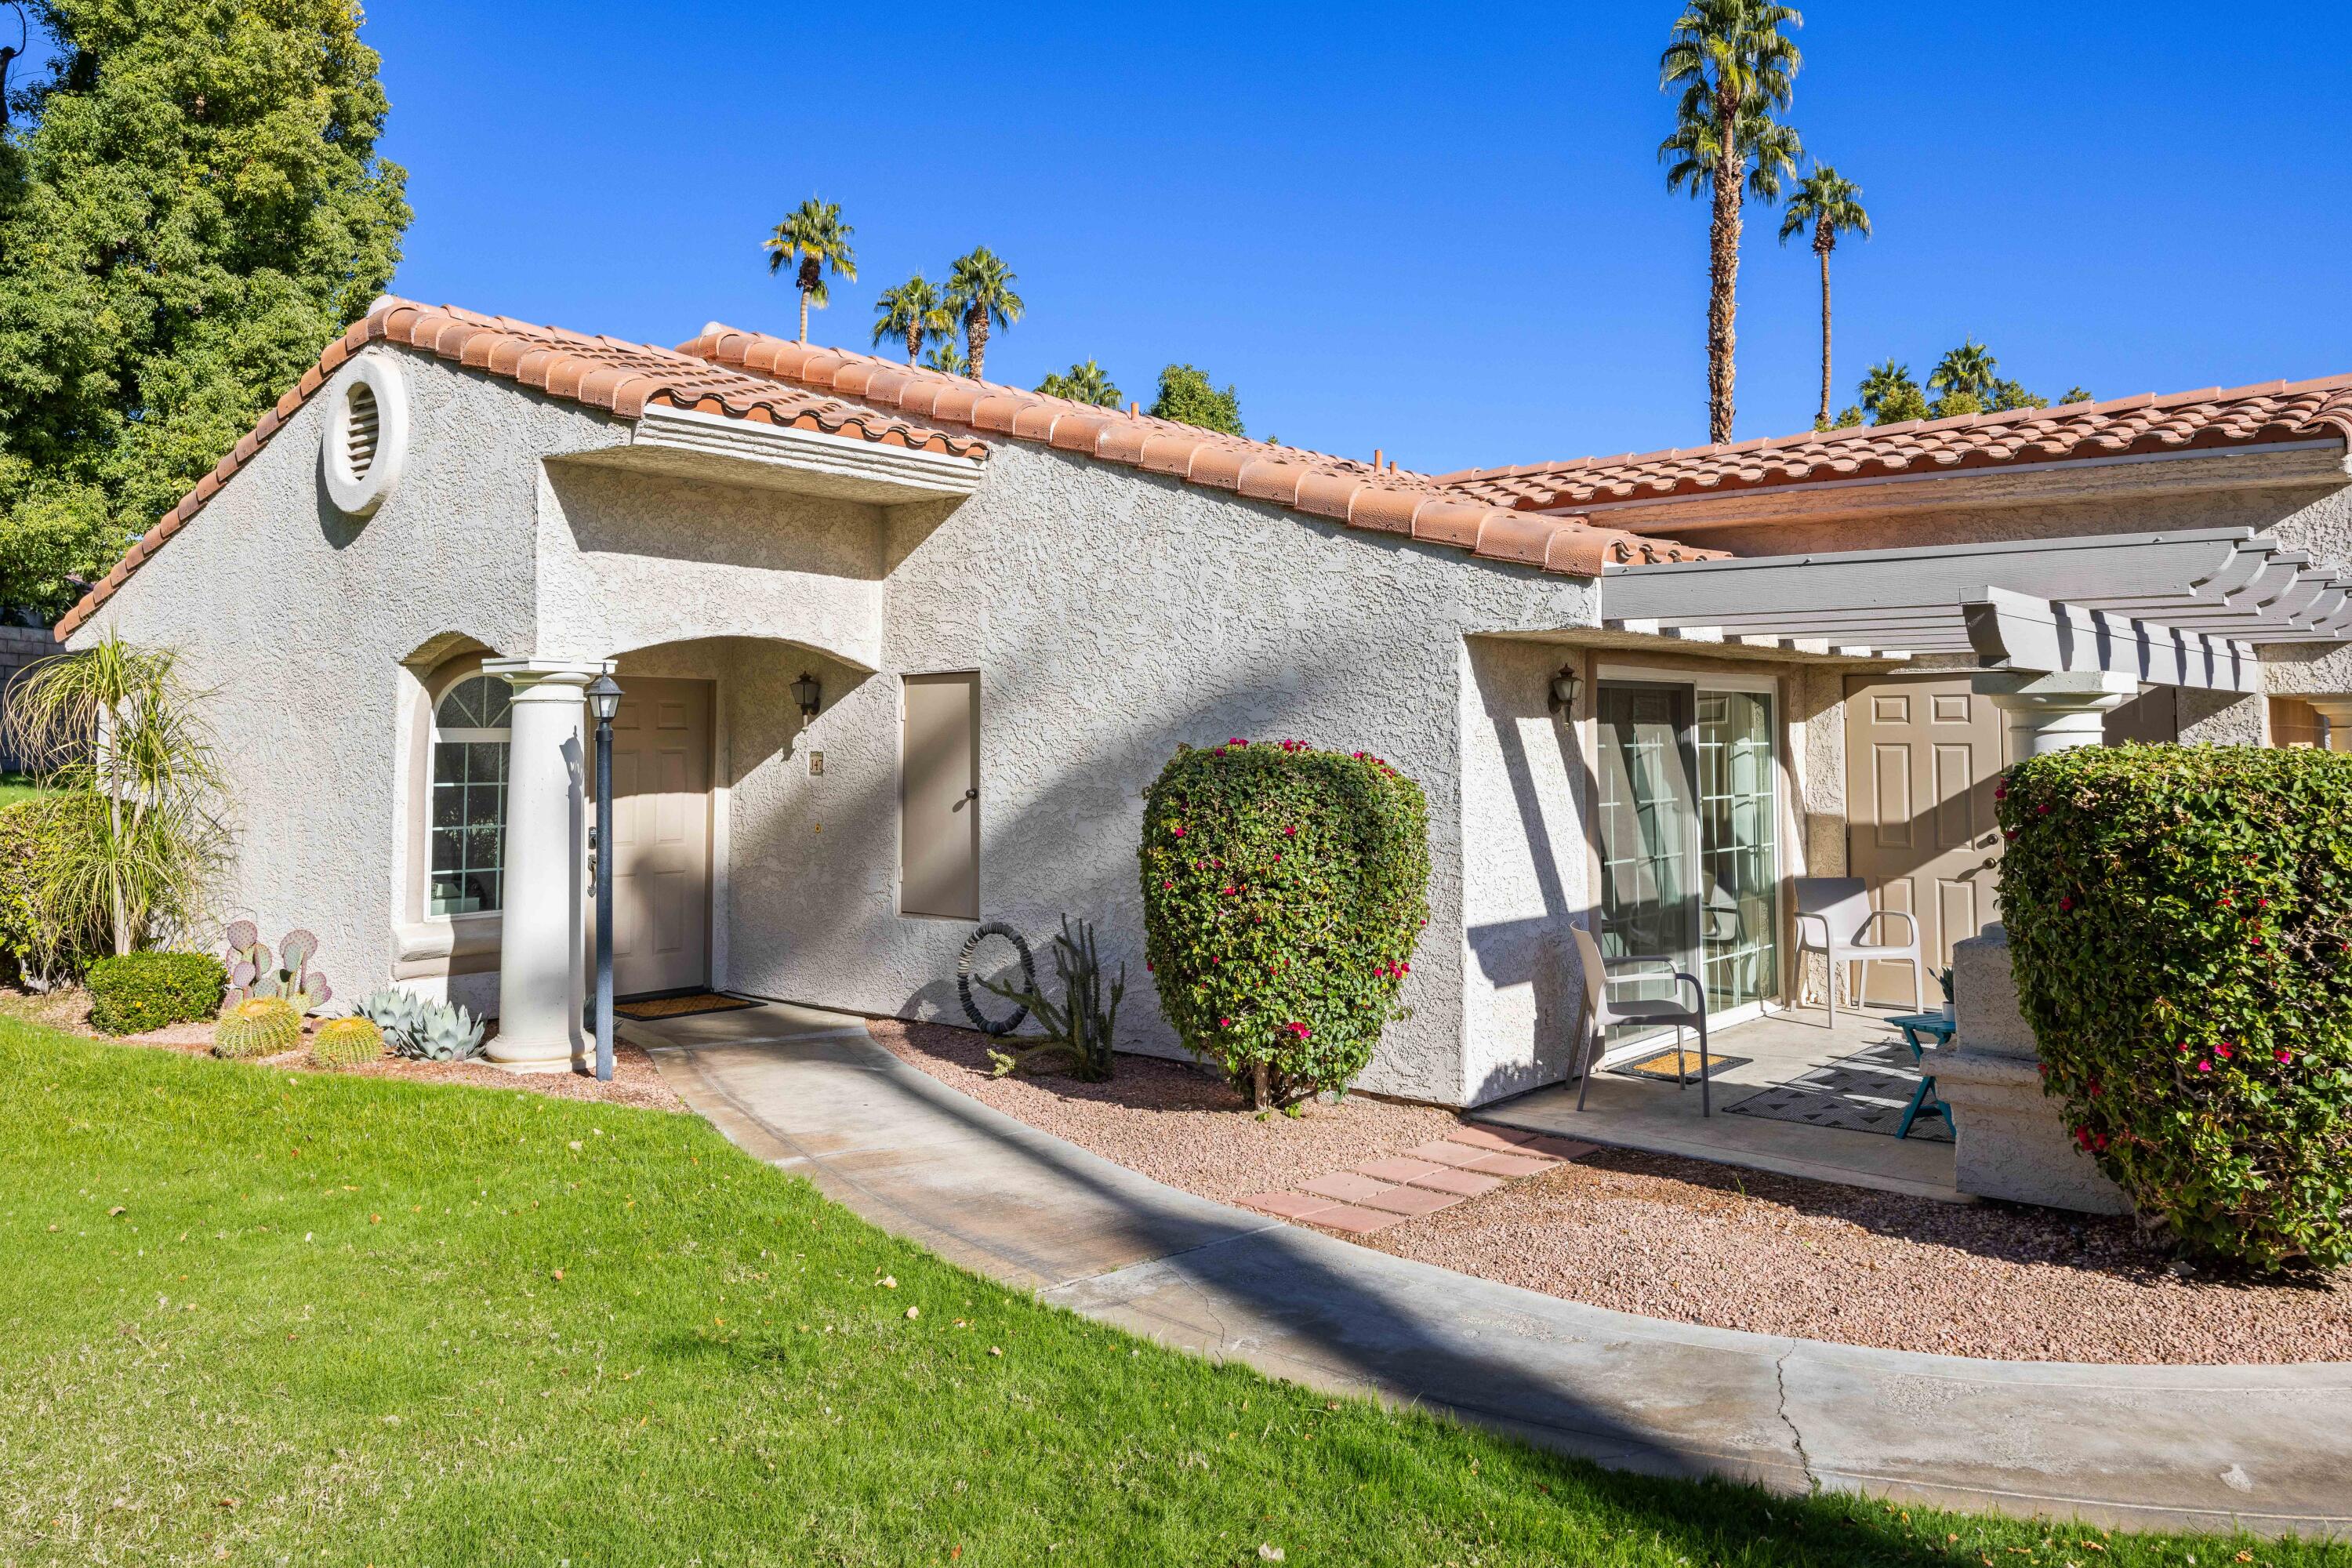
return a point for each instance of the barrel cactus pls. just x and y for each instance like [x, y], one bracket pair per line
[257, 1027]
[346, 1042]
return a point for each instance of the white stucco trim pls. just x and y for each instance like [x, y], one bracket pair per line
[722, 821]
[842, 465]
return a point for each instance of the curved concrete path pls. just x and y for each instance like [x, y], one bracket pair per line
[2189, 1448]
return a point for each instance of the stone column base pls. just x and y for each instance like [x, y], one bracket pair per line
[2009, 1139]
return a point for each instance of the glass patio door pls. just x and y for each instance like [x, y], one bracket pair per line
[1688, 815]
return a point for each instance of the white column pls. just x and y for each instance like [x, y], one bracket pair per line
[2337, 711]
[539, 952]
[2054, 712]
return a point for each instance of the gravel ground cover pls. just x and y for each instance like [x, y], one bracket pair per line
[634, 1079]
[1691, 1241]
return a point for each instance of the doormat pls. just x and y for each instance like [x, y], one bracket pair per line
[1661, 1067]
[1864, 1093]
[700, 1003]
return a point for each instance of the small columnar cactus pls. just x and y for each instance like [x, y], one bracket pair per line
[258, 1026]
[346, 1042]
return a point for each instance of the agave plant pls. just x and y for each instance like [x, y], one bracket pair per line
[252, 974]
[421, 1029]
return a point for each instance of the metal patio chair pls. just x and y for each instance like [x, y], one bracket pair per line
[1601, 1014]
[1835, 918]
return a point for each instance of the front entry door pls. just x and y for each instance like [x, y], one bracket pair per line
[661, 836]
[1922, 757]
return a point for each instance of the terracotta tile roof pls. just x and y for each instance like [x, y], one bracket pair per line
[609, 373]
[2245, 416]
[1339, 488]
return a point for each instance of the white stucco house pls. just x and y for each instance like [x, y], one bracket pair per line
[1650, 688]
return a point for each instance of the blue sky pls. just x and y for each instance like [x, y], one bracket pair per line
[1441, 233]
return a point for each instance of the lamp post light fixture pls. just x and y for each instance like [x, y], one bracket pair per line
[1564, 688]
[605, 703]
[809, 695]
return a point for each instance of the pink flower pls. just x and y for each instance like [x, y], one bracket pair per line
[1299, 1029]
[1236, 741]
[1407, 968]
[2041, 811]
[2009, 834]
[1290, 832]
[2204, 1066]
[2100, 1142]
[2065, 902]
[2283, 1055]
[1227, 891]
[2000, 790]
[1177, 831]
[1166, 885]
[2222, 1050]
[1224, 1023]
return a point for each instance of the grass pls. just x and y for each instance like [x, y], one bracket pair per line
[254, 1316]
[16, 789]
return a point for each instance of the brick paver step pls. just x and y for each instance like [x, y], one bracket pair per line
[1397, 1169]
[1461, 1183]
[1345, 1187]
[1412, 1200]
[1355, 1221]
[1289, 1206]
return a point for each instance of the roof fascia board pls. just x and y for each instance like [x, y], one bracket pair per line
[868, 470]
[2272, 465]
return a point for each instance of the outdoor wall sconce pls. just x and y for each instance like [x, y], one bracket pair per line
[809, 695]
[1564, 688]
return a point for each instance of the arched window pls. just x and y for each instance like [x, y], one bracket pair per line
[469, 797]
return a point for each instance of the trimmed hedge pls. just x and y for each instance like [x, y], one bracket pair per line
[2181, 928]
[1283, 890]
[141, 991]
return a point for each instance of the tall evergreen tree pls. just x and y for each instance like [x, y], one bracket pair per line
[190, 207]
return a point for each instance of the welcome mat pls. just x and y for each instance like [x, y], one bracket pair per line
[1865, 1092]
[1661, 1067]
[681, 1006]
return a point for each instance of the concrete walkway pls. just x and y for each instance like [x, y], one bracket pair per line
[2193, 1447]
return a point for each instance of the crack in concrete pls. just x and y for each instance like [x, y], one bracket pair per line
[1780, 1383]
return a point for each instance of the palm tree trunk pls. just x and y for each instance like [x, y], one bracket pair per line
[805, 294]
[975, 333]
[914, 340]
[1824, 252]
[1723, 272]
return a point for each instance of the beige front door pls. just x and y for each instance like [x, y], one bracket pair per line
[661, 836]
[938, 804]
[1922, 756]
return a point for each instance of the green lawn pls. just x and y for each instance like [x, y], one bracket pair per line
[16, 787]
[259, 1317]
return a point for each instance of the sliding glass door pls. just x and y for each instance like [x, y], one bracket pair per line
[1688, 825]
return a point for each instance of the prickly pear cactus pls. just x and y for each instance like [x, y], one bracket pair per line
[261, 1027]
[247, 962]
[346, 1042]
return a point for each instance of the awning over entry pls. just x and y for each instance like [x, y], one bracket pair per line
[2177, 609]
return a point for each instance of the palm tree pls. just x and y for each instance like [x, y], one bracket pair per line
[1084, 383]
[1830, 204]
[1734, 65]
[118, 733]
[914, 313]
[1962, 379]
[980, 289]
[815, 236]
[1890, 395]
[945, 357]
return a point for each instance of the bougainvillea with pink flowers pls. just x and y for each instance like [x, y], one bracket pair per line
[2179, 925]
[1283, 890]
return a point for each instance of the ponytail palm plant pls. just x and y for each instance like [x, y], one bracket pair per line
[137, 832]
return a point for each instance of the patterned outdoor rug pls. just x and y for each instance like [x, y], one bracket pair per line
[681, 1006]
[1864, 1093]
[1661, 1067]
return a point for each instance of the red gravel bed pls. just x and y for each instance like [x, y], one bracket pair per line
[635, 1081]
[1691, 1241]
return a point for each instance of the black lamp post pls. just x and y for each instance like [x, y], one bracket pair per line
[604, 701]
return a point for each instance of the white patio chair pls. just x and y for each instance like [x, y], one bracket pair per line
[1835, 920]
[1601, 1013]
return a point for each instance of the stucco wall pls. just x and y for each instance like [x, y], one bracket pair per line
[1111, 615]
[296, 619]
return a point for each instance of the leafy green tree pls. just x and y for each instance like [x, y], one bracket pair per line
[1848, 418]
[947, 357]
[2003, 395]
[1084, 383]
[1890, 396]
[2074, 394]
[191, 206]
[915, 314]
[1830, 204]
[814, 237]
[980, 289]
[1734, 65]
[1187, 398]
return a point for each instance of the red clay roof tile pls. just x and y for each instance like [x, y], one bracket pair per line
[603, 373]
[1337, 488]
[2246, 415]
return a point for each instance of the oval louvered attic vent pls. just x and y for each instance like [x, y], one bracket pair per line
[359, 429]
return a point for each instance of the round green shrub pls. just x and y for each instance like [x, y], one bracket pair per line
[264, 1027]
[137, 992]
[2179, 925]
[346, 1042]
[1283, 890]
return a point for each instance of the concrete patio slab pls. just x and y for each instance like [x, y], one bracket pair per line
[2195, 1447]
